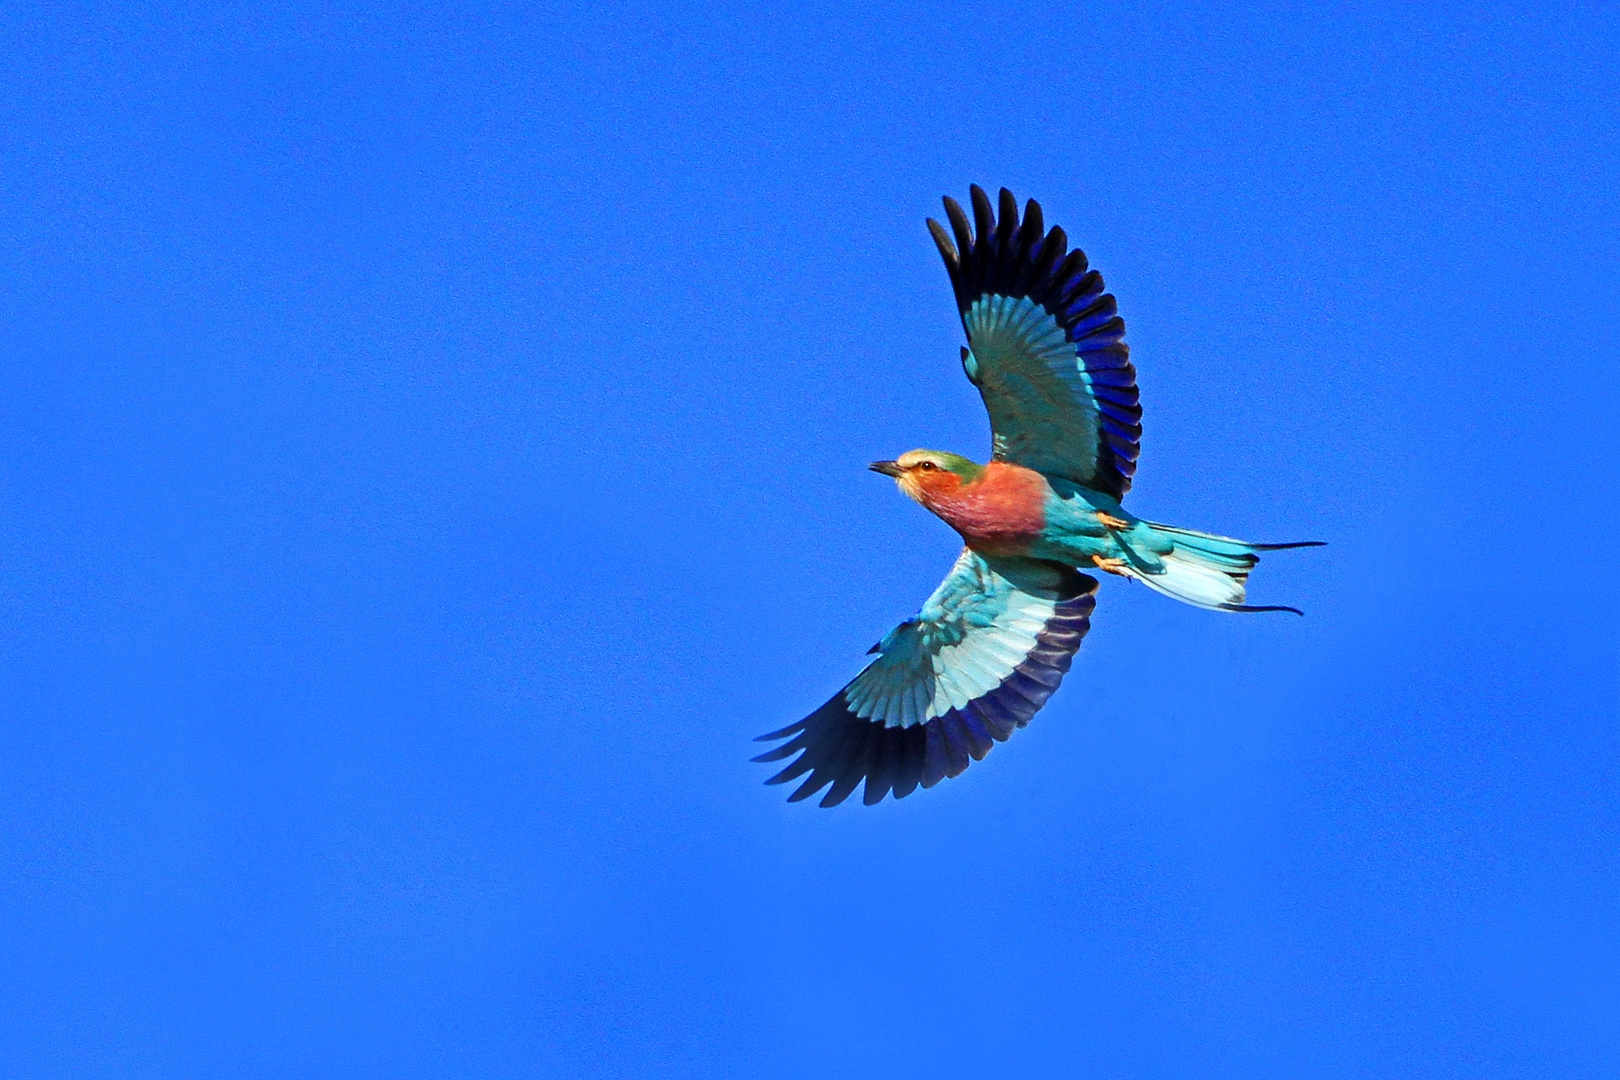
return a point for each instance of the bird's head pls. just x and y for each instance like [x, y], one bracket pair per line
[925, 474]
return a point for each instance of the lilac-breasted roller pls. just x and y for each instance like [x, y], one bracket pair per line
[1046, 350]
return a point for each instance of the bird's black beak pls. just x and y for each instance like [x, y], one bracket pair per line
[887, 468]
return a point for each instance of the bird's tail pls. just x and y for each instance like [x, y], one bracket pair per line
[1207, 571]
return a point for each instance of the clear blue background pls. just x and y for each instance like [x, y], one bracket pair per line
[432, 445]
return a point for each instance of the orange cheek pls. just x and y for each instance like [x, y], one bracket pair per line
[935, 483]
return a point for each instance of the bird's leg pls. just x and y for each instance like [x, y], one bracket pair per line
[1113, 566]
[1112, 522]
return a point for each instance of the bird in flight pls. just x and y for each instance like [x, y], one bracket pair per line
[1046, 349]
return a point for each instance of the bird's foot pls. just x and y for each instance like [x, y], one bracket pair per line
[1112, 566]
[1112, 522]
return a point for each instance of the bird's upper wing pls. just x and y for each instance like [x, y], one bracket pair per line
[980, 658]
[1047, 347]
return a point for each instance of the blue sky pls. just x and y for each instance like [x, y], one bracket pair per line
[432, 445]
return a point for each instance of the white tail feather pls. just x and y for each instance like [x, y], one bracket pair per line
[1205, 570]
[1195, 579]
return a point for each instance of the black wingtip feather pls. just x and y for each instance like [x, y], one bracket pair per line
[984, 219]
[795, 769]
[947, 250]
[784, 733]
[840, 791]
[1007, 228]
[962, 230]
[1034, 224]
[1009, 210]
[792, 746]
[878, 758]
[806, 790]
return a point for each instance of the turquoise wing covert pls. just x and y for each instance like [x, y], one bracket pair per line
[1046, 345]
[980, 659]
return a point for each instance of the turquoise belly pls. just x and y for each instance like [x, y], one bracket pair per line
[1074, 535]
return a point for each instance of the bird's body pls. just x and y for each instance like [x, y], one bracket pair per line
[1008, 510]
[1046, 351]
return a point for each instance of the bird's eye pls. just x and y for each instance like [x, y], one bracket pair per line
[926, 466]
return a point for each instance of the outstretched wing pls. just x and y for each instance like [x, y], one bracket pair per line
[981, 658]
[1046, 345]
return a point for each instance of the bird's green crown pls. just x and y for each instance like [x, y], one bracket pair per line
[939, 459]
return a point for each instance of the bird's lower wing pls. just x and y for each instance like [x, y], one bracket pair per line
[980, 659]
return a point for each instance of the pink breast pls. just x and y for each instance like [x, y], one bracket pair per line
[1004, 508]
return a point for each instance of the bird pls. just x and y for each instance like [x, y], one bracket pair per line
[1046, 350]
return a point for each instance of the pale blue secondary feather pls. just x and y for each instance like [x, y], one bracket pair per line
[967, 639]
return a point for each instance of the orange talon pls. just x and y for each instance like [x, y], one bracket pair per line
[1111, 521]
[1113, 566]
